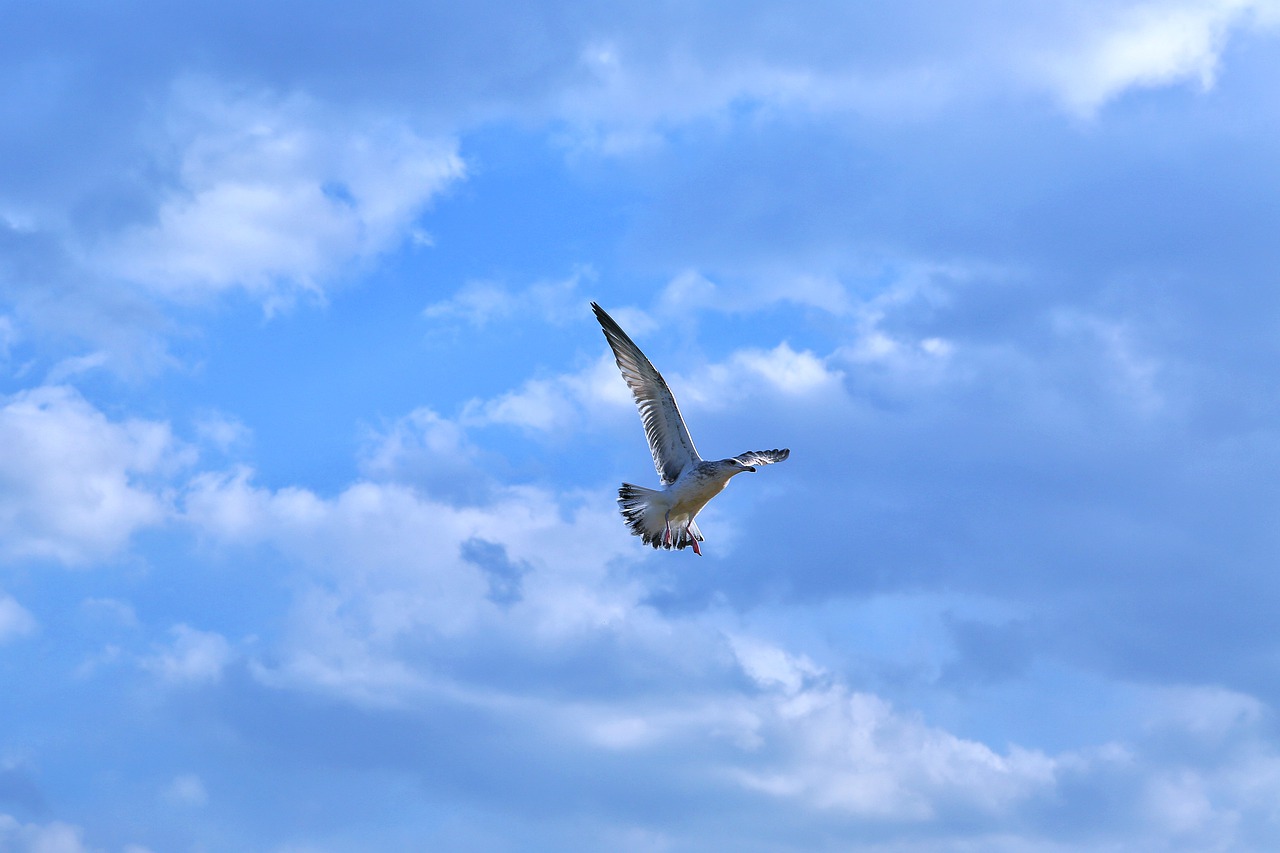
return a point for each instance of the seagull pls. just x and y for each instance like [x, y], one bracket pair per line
[664, 518]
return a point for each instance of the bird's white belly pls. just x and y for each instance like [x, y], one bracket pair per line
[689, 496]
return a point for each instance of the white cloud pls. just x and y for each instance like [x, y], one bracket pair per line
[782, 370]
[687, 291]
[1209, 712]
[1149, 45]
[186, 789]
[833, 748]
[1178, 803]
[430, 452]
[73, 366]
[339, 645]
[539, 404]
[193, 656]
[477, 301]
[15, 620]
[555, 403]
[807, 740]
[111, 611]
[911, 357]
[1205, 807]
[482, 302]
[274, 195]
[71, 481]
[631, 91]
[386, 608]
[222, 431]
[566, 402]
[52, 837]
[384, 562]
[851, 752]
[637, 83]
[771, 666]
[55, 837]
[690, 290]
[384, 588]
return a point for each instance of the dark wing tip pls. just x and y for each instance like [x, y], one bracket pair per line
[613, 330]
[602, 316]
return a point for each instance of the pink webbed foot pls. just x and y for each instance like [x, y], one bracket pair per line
[666, 536]
[694, 540]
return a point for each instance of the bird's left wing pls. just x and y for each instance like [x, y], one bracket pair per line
[762, 457]
[669, 440]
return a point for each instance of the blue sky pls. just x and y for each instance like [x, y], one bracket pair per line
[309, 442]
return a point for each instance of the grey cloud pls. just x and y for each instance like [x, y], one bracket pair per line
[503, 575]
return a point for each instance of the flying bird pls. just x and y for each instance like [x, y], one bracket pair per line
[664, 518]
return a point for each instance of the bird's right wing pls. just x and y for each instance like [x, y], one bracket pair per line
[669, 440]
[762, 457]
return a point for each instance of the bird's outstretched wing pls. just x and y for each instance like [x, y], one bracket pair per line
[669, 440]
[762, 457]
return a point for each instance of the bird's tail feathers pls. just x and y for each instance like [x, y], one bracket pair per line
[648, 519]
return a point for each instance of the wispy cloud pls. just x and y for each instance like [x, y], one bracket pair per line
[15, 620]
[275, 195]
[191, 657]
[54, 837]
[187, 789]
[597, 392]
[482, 302]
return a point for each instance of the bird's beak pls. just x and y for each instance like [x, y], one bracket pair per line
[751, 468]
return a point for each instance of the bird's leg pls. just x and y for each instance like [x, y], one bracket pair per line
[666, 537]
[694, 540]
